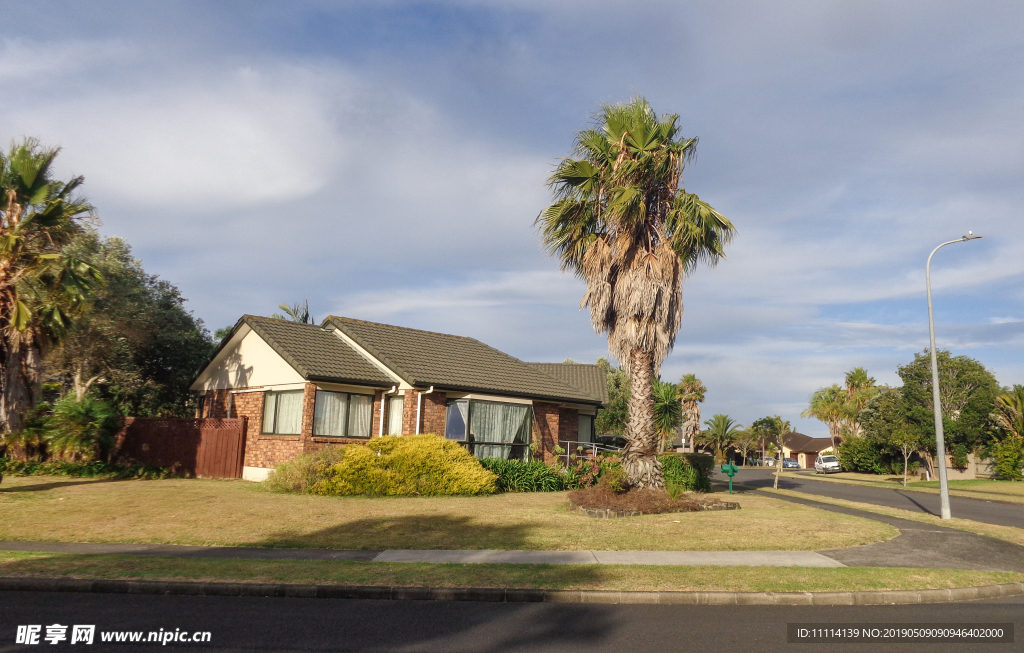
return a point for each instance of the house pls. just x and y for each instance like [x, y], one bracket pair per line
[303, 387]
[805, 448]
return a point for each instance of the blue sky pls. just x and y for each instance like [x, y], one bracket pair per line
[387, 160]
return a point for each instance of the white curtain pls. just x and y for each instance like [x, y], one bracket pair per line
[499, 423]
[269, 406]
[289, 413]
[396, 405]
[455, 423]
[360, 414]
[329, 415]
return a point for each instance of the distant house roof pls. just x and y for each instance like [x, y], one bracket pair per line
[425, 358]
[589, 378]
[800, 442]
[316, 354]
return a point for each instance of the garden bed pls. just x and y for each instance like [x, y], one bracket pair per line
[600, 501]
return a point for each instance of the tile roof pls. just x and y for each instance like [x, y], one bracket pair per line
[587, 377]
[425, 358]
[316, 354]
[800, 442]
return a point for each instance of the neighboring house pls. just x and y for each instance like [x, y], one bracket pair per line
[805, 448]
[303, 387]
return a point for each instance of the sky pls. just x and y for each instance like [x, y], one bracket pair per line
[386, 161]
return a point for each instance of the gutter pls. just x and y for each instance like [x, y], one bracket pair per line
[383, 396]
[419, 406]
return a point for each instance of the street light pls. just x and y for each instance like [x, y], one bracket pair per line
[940, 444]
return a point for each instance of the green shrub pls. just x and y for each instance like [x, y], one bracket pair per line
[612, 475]
[702, 462]
[522, 476]
[83, 430]
[417, 464]
[858, 454]
[579, 473]
[959, 456]
[1009, 457]
[680, 474]
[82, 470]
[301, 474]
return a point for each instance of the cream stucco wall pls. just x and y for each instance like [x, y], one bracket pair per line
[246, 361]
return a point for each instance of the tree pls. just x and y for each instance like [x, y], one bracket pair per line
[42, 288]
[295, 313]
[906, 441]
[860, 388]
[719, 435]
[772, 430]
[1010, 411]
[828, 405]
[668, 411]
[624, 224]
[745, 441]
[691, 393]
[135, 341]
[612, 420]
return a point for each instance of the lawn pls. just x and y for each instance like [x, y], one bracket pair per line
[976, 489]
[239, 513]
[589, 577]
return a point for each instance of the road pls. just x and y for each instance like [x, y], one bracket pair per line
[989, 512]
[271, 624]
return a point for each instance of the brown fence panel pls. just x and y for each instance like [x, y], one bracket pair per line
[207, 448]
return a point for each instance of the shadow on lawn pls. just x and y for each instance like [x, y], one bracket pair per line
[411, 532]
[52, 485]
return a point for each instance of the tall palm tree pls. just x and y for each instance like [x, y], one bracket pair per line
[719, 435]
[295, 313]
[691, 393]
[829, 405]
[623, 223]
[1010, 411]
[860, 388]
[41, 287]
[668, 410]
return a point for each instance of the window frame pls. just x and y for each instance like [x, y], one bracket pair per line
[272, 395]
[469, 443]
[348, 415]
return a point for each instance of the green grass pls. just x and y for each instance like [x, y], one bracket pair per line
[992, 490]
[238, 513]
[591, 577]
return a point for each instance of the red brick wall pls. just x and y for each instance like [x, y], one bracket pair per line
[434, 413]
[545, 430]
[409, 413]
[568, 425]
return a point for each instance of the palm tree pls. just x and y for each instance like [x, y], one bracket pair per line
[860, 388]
[691, 393]
[623, 223]
[42, 288]
[719, 435]
[830, 406]
[668, 410]
[1010, 411]
[295, 313]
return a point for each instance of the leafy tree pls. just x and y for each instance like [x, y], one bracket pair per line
[612, 420]
[668, 410]
[42, 288]
[691, 392]
[906, 441]
[967, 391]
[772, 430]
[136, 343]
[222, 333]
[860, 455]
[1009, 457]
[624, 224]
[719, 435]
[745, 441]
[1010, 411]
[829, 405]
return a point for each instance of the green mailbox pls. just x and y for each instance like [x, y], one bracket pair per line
[730, 469]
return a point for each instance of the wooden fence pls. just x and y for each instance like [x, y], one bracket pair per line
[205, 448]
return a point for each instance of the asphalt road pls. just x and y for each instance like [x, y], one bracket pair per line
[270, 624]
[989, 512]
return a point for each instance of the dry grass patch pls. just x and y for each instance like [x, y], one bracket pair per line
[238, 513]
[974, 489]
[591, 577]
[1008, 533]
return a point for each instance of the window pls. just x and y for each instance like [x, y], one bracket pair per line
[340, 414]
[490, 429]
[396, 406]
[282, 412]
[586, 429]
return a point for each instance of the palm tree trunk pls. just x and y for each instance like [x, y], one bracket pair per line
[639, 461]
[20, 381]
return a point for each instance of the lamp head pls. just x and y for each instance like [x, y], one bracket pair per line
[971, 236]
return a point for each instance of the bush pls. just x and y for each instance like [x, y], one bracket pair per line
[301, 474]
[681, 474]
[1009, 458]
[959, 457]
[83, 430]
[612, 476]
[579, 473]
[82, 470]
[522, 476]
[417, 464]
[858, 454]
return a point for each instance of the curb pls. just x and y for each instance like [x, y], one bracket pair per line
[497, 595]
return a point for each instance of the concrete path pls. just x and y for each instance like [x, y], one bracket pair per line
[729, 558]
[989, 512]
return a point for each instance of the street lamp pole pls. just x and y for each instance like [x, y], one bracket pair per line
[940, 444]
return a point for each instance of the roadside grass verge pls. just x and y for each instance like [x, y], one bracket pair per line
[239, 513]
[1008, 533]
[589, 577]
[985, 489]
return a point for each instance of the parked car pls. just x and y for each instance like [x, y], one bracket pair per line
[790, 463]
[827, 464]
[768, 462]
[611, 441]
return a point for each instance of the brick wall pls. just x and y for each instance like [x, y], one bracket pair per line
[545, 430]
[435, 412]
[568, 425]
